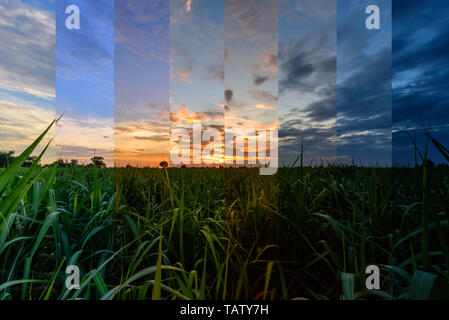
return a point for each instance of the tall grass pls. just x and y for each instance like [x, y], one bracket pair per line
[306, 233]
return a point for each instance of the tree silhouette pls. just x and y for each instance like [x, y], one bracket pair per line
[6, 158]
[98, 162]
[163, 164]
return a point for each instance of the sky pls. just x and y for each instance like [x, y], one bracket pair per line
[27, 73]
[141, 84]
[307, 81]
[137, 71]
[363, 84]
[84, 82]
[251, 77]
[196, 73]
[223, 75]
[420, 77]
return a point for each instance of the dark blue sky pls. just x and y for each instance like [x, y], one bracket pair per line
[363, 84]
[389, 81]
[335, 82]
[420, 76]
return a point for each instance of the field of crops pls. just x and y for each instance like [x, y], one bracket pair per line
[209, 233]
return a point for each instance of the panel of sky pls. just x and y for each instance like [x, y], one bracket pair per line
[363, 84]
[130, 76]
[84, 82]
[307, 81]
[420, 79]
[141, 83]
[196, 82]
[251, 82]
[27, 74]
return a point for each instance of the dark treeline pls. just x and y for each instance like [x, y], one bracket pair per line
[6, 158]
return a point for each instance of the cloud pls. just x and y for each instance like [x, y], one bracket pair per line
[317, 8]
[86, 54]
[156, 127]
[307, 81]
[420, 77]
[154, 138]
[271, 60]
[364, 88]
[144, 109]
[364, 101]
[182, 64]
[309, 63]
[296, 69]
[147, 11]
[182, 116]
[316, 142]
[131, 31]
[228, 95]
[21, 122]
[267, 61]
[264, 106]
[258, 79]
[261, 95]
[252, 18]
[143, 142]
[322, 110]
[215, 72]
[27, 50]
[420, 67]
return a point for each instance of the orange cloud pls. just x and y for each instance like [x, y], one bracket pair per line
[143, 143]
[184, 116]
[185, 77]
[264, 107]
